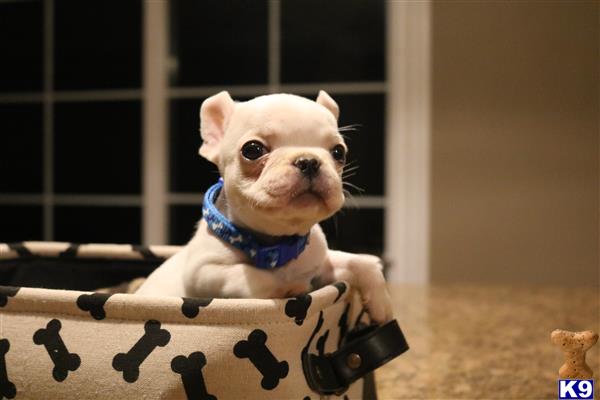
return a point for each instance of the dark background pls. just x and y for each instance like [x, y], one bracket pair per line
[509, 173]
[88, 89]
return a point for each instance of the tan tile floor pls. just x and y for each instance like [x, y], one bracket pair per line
[485, 342]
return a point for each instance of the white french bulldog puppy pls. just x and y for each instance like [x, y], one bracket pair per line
[281, 159]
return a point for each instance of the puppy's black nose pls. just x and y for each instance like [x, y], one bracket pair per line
[308, 166]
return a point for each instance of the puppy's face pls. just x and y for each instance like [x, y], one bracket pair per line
[281, 157]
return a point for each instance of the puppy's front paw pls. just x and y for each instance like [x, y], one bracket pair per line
[373, 290]
[379, 305]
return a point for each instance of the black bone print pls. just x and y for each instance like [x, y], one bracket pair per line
[341, 287]
[321, 343]
[343, 324]
[311, 361]
[359, 318]
[144, 251]
[71, 251]
[191, 306]
[6, 292]
[129, 363]
[94, 303]
[7, 388]
[298, 307]
[190, 369]
[20, 248]
[314, 333]
[265, 362]
[60, 356]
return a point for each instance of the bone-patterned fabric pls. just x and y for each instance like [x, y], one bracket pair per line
[65, 344]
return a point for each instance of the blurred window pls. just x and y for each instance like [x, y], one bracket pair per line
[97, 44]
[219, 42]
[21, 150]
[21, 43]
[338, 46]
[332, 41]
[71, 102]
[97, 224]
[104, 156]
[70, 117]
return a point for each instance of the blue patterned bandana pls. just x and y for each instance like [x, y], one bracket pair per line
[263, 257]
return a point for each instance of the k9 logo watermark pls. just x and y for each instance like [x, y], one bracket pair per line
[575, 389]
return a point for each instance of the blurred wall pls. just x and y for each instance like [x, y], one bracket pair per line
[515, 142]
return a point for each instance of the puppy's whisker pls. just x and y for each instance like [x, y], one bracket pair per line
[348, 174]
[351, 127]
[353, 186]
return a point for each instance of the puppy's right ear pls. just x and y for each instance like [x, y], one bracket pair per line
[326, 101]
[215, 113]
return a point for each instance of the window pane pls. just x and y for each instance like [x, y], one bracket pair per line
[219, 42]
[97, 224]
[333, 40]
[189, 171]
[356, 230]
[183, 223]
[97, 147]
[21, 151]
[366, 142]
[97, 44]
[20, 223]
[21, 25]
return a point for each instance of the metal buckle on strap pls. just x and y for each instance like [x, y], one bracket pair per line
[320, 375]
[364, 350]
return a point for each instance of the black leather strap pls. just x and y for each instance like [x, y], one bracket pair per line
[364, 350]
[367, 350]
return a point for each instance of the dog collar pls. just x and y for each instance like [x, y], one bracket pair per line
[263, 257]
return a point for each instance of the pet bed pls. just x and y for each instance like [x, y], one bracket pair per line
[59, 338]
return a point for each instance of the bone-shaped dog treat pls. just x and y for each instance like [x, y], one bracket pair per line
[574, 345]
[94, 303]
[60, 356]
[7, 388]
[190, 369]
[129, 363]
[256, 350]
[298, 307]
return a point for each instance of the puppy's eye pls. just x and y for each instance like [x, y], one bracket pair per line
[338, 152]
[253, 150]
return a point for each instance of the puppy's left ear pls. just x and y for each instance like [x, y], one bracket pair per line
[215, 113]
[326, 101]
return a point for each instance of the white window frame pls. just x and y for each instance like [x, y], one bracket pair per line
[408, 134]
